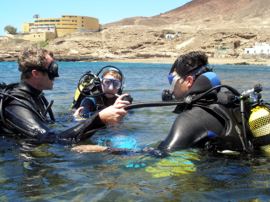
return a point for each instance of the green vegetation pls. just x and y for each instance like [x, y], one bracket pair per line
[10, 29]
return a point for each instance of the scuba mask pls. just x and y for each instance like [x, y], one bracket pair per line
[173, 78]
[109, 68]
[52, 70]
[108, 82]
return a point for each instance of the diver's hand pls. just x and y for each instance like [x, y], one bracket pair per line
[114, 113]
[77, 113]
[121, 102]
[89, 148]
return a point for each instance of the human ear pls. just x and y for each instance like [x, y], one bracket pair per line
[35, 73]
[190, 81]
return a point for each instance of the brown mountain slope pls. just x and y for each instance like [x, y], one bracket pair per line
[210, 14]
[227, 9]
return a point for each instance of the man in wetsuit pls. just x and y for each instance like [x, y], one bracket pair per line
[25, 110]
[211, 122]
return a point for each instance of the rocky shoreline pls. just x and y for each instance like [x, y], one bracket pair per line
[146, 45]
[167, 60]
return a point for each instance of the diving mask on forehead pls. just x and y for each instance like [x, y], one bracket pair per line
[173, 78]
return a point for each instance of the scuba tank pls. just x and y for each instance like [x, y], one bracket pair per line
[259, 124]
[259, 118]
[89, 85]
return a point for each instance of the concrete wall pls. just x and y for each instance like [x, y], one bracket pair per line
[41, 36]
[259, 48]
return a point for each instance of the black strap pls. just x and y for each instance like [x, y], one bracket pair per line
[262, 141]
[48, 108]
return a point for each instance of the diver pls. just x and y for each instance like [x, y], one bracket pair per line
[26, 113]
[210, 117]
[213, 122]
[94, 93]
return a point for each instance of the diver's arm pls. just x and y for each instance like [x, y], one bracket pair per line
[25, 121]
[119, 151]
[110, 115]
[22, 120]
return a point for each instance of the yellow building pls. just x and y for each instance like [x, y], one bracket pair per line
[62, 26]
[40, 36]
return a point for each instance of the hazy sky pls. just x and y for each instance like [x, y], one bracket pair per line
[15, 12]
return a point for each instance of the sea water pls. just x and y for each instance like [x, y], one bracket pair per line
[55, 173]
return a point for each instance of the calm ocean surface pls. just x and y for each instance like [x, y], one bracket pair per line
[55, 173]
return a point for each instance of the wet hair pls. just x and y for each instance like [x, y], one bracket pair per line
[114, 73]
[188, 63]
[32, 58]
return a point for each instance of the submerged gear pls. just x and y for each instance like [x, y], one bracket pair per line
[23, 114]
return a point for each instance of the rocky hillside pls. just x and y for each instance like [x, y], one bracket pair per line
[241, 13]
[210, 14]
[222, 28]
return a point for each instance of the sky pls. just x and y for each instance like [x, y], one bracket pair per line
[16, 12]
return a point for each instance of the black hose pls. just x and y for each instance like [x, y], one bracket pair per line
[154, 104]
[188, 100]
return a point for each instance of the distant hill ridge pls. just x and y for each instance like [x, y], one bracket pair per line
[226, 9]
[243, 13]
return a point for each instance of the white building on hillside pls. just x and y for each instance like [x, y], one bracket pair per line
[259, 48]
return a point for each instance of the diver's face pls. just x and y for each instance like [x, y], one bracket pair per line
[180, 89]
[110, 85]
[49, 82]
[43, 82]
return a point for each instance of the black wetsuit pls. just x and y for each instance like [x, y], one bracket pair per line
[203, 127]
[210, 123]
[24, 117]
